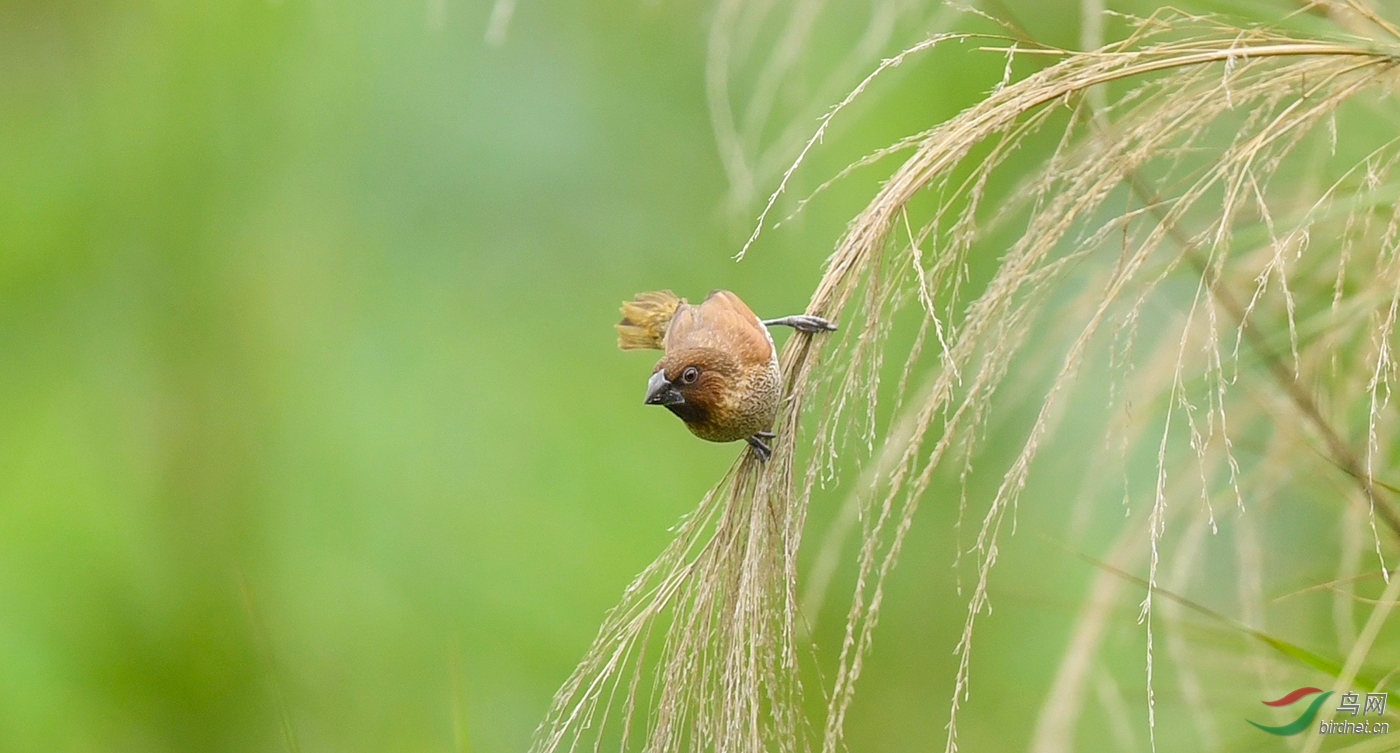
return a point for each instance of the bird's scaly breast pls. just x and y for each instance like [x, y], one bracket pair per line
[749, 409]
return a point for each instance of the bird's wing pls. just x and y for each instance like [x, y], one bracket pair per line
[724, 322]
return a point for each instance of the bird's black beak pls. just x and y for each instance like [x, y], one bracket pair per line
[662, 392]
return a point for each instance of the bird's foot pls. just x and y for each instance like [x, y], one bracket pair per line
[803, 323]
[759, 446]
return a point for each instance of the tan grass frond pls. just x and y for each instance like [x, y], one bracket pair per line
[753, 143]
[1180, 195]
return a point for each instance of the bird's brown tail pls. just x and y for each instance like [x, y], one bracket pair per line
[644, 320]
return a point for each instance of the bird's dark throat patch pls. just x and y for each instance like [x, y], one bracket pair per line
[691, 413]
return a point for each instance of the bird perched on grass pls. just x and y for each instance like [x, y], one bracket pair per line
[720, 370]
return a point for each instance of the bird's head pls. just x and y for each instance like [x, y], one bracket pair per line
[694, 383]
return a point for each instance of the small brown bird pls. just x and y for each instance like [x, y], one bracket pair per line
[720, 371]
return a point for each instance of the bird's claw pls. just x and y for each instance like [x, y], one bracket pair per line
[759, 446]
[803, 323]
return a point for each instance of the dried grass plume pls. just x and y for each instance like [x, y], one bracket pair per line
[1213, 232]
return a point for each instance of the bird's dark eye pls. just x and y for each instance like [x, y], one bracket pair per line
[690, 375]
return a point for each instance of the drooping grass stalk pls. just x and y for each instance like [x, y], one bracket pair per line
[1186, 172]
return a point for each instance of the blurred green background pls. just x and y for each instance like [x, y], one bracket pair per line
[311, 406]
